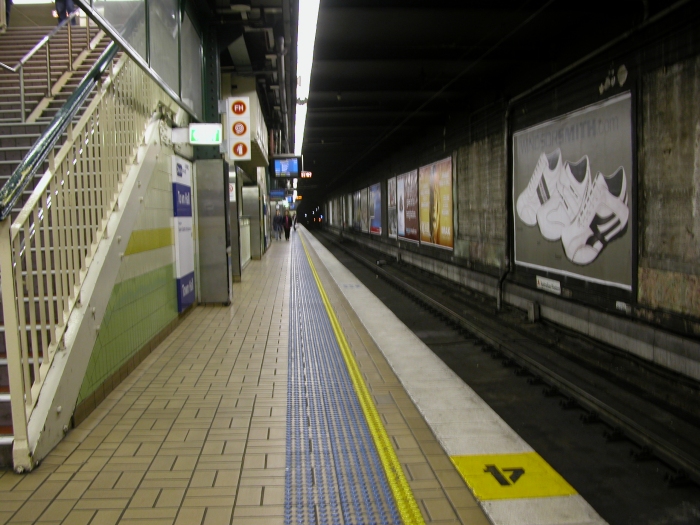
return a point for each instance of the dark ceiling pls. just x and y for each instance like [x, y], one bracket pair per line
[386, 72]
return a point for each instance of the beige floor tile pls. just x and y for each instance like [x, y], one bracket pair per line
[79, 517]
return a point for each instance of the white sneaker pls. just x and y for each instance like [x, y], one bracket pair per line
[540, 188]
[563, 207]
[603, 218]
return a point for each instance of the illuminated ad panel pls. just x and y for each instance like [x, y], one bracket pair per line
[572, 194]
[391, 208]
[407, 205]
[356, 210]
[364, 210]
[435, 188]
[375, 209]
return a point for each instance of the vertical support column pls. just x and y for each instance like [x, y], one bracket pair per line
[20, 452]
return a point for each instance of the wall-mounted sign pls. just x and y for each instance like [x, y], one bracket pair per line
[184, 242]
[278, 194]
[238, 128]
[205, 134]
[306, 174]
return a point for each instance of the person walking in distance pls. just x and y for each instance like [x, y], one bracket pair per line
[8, 8]
[287, 224]
[64, 8]
[277, 225]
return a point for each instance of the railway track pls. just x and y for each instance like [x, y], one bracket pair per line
[652, 408]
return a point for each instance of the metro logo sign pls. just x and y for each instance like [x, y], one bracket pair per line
[238, 128]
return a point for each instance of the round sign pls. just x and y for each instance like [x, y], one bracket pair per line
[239, 107]
[239, 128]
[231, 188]
[240, 149]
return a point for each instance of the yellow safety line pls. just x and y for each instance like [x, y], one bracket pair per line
[405, 502]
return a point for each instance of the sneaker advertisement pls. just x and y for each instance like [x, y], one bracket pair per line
[572, 191]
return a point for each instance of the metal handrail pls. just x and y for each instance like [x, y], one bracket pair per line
[36, 156]
[19, 68]
[41, 43]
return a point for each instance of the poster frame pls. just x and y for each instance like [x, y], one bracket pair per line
[399, 236]
[420, 203]
[374, 230]
[570, 277]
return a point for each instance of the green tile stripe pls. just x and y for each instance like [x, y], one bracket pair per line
[146, 240]
[137, 311]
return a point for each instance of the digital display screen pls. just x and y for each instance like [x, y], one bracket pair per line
[288, 168]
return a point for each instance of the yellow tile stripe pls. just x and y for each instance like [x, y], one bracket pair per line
[145, 240]
[511, 476]
[405, 502]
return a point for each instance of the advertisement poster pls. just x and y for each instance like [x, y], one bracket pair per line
[357, 210]
[375, 209]
[391, 208]
[182, 222]
[435, 188]
[364, 210]
[407, 205]
[572, 192]
[348, 211]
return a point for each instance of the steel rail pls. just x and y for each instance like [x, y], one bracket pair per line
[662, 448]
[23, 174]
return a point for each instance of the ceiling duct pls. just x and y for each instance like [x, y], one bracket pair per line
[239, 55]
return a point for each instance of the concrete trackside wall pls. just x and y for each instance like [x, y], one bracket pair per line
[669, 165]
[481, 215]
[632, 282]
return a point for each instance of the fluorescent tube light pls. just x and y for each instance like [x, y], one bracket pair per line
[306, 37]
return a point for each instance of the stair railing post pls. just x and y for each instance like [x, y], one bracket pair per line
[48, 69]
[21, 456]
[70, 46]
[21, 92]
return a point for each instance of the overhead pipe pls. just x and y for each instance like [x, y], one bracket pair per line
[281, 52]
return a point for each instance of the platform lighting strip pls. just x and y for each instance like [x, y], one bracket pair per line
[306, 38]
[405, 502]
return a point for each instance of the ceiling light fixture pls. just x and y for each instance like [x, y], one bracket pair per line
[308, 17]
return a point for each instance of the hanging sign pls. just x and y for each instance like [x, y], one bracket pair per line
[238, 128]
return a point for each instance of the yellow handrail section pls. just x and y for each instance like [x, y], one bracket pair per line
[45, 253]
[403, 496]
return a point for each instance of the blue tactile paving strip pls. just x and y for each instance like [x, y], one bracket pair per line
[333, 474]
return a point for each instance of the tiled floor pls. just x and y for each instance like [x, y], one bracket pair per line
[196, 434]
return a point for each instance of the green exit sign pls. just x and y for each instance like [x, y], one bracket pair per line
[205, 134]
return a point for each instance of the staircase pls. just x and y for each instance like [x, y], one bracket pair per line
[17, 137]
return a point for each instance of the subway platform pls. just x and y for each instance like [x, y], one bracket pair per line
[305, 402]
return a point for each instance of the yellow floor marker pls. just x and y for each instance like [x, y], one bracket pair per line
[510, 476]
[405, 502]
